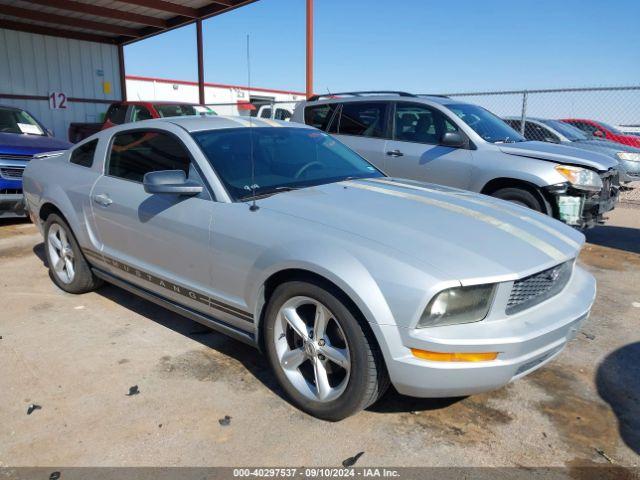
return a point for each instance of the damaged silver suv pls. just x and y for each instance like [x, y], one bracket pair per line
[442, 140]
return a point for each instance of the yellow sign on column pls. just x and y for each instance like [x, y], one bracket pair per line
[106, 87]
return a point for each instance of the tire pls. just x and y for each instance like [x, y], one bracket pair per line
[60, 245]
[519, 196]
[351, 389]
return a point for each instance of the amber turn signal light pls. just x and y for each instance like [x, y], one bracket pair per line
[454, 356]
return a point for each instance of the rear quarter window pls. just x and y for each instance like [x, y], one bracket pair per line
[319, 116]
[84, 154]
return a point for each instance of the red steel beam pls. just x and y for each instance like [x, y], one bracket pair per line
[309, 89]
[200, 62]
[102, 12]
[62, 20]
[163, 6]
[54, 32]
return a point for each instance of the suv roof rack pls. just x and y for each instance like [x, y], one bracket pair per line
[438, 95]
[313, 98]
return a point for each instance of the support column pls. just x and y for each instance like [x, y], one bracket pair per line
[200, 62]
[309, 90]
[123, 80]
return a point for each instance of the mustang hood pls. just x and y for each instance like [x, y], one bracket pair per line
[559, 154]
[460, 235]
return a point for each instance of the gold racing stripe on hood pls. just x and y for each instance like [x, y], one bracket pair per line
[268, 121]
[256, 122]
[470, 199]
[505, 227]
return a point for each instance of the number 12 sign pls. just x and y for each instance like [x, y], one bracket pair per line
[57, 100]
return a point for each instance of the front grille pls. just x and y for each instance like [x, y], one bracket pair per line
[11, 173]
[15, 156]
[538, 287]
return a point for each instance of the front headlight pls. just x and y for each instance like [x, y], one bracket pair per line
[629, 156]
[458, 305]
[580, 178]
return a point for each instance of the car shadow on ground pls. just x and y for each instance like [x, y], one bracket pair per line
[253, 360]
[618, 383]
[4, 222]
[621, 238]
[394, 402]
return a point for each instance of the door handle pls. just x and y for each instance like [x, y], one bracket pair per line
[395, 153]
[102, 199]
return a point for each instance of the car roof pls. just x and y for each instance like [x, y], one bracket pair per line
[197, 123]
[10, 107]
[424, 98]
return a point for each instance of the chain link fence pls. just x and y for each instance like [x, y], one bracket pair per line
[601, 119]
[614, 109]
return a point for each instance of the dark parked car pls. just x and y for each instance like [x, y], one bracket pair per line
[556, 131]
[21, 137]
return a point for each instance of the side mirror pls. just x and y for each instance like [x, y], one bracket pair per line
[170, 181]
[453, 140]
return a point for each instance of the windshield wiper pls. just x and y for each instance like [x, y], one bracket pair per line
[270, 191]
[507, 140]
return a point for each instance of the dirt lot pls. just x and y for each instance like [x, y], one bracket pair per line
[77, 356]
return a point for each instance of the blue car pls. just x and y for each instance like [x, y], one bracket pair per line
[21, 137]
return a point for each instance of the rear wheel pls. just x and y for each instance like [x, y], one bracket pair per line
[67, 266]
[519, 196]
[326, 362]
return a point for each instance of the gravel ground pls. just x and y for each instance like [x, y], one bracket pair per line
[632, 195]
[78, 356]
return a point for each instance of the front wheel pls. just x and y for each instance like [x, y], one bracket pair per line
[323, 358]
[520, 197]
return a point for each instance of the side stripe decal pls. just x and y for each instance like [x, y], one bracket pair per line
[179, 289]
[533, 221]
[505, 227]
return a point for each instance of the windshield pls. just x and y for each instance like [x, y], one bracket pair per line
[572, 133]
[175, 110]
[14, 120]
[283, 158]
[491, 128]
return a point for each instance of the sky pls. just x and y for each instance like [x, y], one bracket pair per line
[414, 45]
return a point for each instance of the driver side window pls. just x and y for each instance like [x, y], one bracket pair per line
[135, 153]
[420, 124]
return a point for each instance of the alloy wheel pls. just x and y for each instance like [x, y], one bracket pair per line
[312, 349]
[61, 254]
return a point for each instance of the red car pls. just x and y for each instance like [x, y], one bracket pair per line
[602, 130]
[122, 112]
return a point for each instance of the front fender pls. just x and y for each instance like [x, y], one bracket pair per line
[336, 265]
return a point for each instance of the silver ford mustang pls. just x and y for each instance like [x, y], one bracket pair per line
[280, 236]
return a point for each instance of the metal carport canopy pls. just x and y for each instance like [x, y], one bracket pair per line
[114, 22]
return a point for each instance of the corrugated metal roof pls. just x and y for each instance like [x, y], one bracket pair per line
[109, 21]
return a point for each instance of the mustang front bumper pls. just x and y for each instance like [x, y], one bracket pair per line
[524, 341]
